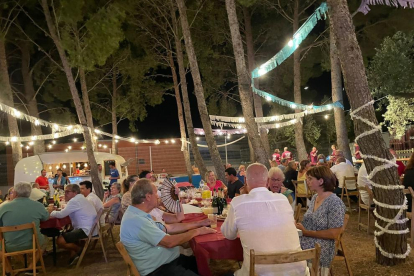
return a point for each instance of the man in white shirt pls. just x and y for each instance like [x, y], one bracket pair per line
[82, 214]
[86, 191]
[339, 154]
[36, 194]
[366, 197]
[256, 217]
[341, 170]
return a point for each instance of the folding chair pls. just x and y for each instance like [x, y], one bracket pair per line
[284, 258]
[35, 249]
[132, 270]
[348, 193]
[363, 206]
[409, 215]
[297, 212]
[301, 195]
[341, 250]
[90, 238]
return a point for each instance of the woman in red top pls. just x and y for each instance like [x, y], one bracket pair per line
[333, 156]
[276, 156]
[314, 156]
[213, 183]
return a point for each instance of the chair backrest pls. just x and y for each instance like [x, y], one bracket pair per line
[21, 227]
[131, 266]
[366, 189]
[96, 223]
[284, 258]
[338, 239]
[345, 179]
[107, 211]
[297, 212]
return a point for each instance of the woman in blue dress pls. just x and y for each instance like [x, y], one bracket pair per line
[323, 221]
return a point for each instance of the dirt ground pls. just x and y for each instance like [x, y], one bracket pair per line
[359, 245]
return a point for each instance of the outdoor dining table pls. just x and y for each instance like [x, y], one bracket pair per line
[213, 246]
[51, 228]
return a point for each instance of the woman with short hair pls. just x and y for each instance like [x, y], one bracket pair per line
[127, 185]
[114, 200]
[323, 221]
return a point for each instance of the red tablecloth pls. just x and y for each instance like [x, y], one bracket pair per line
[213, 246]
[184, 184]
[55, 223]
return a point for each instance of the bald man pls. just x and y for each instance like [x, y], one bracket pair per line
[265, 223]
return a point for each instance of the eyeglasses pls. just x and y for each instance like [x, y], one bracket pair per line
[66, 192]
[276, 179]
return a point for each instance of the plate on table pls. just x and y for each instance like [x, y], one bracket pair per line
[221, 217]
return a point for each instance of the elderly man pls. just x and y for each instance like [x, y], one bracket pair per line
[42, 180]
[341, 170]
[256, 217]
[150, 248]
[36, 194]
[22, 210]
[339, 154]
[82, 214]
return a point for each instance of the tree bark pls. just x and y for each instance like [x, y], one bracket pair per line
[199, 92]
[7, 98]
[30, 96]
[257, 100]
[113, 111]
[339, 114]
[297, 95]
[88, 135]
[184, 147]
[85, 97]
[356, 85]
[244, 86]
[186, 102]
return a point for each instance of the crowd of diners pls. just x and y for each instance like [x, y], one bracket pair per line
[260, 214]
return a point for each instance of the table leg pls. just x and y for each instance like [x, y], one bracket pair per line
[54, 250]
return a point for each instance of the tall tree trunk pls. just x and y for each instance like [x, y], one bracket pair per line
[251, 152]
[87, 133]
[86, 104]
[186, 102]
[199, 92]
[339, 114]
[258, 108]
[30, 96]
[300, 143]
[244, 85]
[373, 144]
[7, 98]
[184, 147]
[113, 111]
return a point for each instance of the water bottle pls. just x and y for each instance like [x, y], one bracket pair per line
[201, 184]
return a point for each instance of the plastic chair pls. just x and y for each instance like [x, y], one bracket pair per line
[132, 269]
[35, 249]
[284, 258]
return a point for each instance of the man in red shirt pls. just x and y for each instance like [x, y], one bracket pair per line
[287, 154]
[42, 180]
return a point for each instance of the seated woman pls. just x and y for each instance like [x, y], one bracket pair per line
[114, 200]
[241, 175]
[322, 161]
[127, 185]
[275, 183]
[291, 173]
[323, 221]
[213, 183]
[304, 167]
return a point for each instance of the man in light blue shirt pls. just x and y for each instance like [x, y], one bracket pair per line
[153, 251]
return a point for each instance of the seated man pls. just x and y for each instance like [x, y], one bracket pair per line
[22, 210]
[366, 196]
[341, 170]
[82, 214]
[256, 217]
[339, 154]
[150, 248]
[234, 184]
[36, 194]
[86, 191]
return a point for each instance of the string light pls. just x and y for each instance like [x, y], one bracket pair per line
[57, 167]
[37, 122]
[70, 147]
[75, 140]
[326, 117]
[55, 126]
[64, 166]
[290, 43]
[49, 146]
[197, 138]
[50, 167]
[100, 145]
[166, 141]
[136, 142]
[116, 141]
[31, 143]
[85, 165]
[55, 135]
[14, 139]
[157, 142]
[17, 113]
[105, 146]
[34, 138]
[97, 131]
[132, 140]
[7, 143]
[173, 141]
[27, 147]
[53, 142]
[66, 150]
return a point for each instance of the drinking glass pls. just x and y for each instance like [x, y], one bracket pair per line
[213, 220]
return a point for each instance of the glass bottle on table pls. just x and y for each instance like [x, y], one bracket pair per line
[214, 203]
[45, 202]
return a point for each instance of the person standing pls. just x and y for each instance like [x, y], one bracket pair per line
[259, 215]
[114, 174]
[59, 181]
[314, 156]
[100, 172]
[241, 175]
[276, 156]
[333, 155]
[409, 179]
[42, 180]
[234, 184]
[287, 154]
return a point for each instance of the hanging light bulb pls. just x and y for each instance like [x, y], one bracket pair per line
[50, 167]
[57, 167]
[31, 143]
[116, 141]
[100, 145]
[136, 142]
[55, 135]
[173, 141]
[132, 140]
[326, 117]
[17, 113]
[55, 126]
[69, 127]
[66, 150]
[197, 138]
[105, 146]
[75, 140]
[64, 166]
[7, 143]
[34, 138]
[14, 139]
[85, 165]
[70, 147]
[78, 165]
[166, 141]
[97, 131]
[36, 122]
[290, 43]
[53, 142]
[49, 146]
[27, 147]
